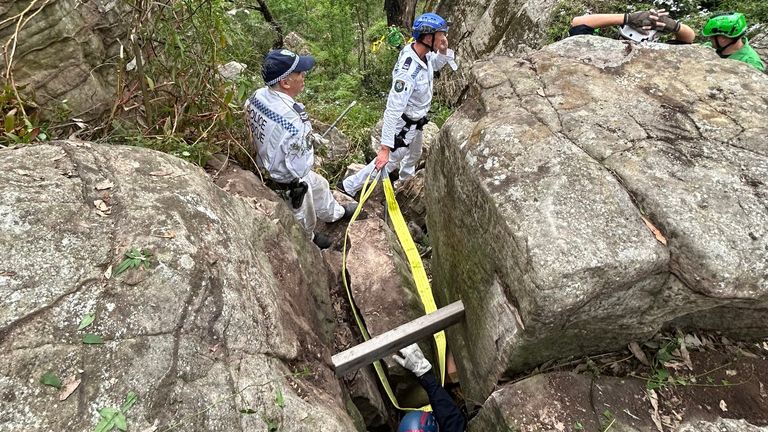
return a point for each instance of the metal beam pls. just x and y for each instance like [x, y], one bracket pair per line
[397, 338]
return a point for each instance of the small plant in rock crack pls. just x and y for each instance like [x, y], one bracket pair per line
[115, 417]
[660, 376]
[133, 258]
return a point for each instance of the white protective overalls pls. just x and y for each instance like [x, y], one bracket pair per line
[279, 129]
[410, 96]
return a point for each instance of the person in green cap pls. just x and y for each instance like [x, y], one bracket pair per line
[726, 33]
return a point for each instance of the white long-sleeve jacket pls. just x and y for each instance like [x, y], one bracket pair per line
[411, 91]
[279, 130]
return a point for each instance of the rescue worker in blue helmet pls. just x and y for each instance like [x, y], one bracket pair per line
[281, 138]
[445, 415]
[408, 102]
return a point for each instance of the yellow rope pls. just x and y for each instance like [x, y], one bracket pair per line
[417, 269]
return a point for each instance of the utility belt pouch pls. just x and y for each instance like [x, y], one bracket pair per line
[292, 192]
[400, 141]
[297, 194]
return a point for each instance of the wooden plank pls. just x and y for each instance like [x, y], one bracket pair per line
[397, 338]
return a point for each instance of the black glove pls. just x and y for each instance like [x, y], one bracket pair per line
[641, 21]
[666, 24]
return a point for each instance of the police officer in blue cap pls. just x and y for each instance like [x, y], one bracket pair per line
[280, 131]
[408, 102]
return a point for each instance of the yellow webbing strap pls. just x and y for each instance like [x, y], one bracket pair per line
[417, 269]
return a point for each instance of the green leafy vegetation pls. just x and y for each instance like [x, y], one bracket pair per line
[134, 258]
[175, 100]
[86, 321]
[51, 379]
[18, 126]
[92, 339]
[115, 417]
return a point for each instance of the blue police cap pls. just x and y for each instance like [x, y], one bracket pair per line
[278, 64]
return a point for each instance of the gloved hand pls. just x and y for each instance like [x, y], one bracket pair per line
[413, 360]
[641, 21]
[666, 24]
[318, 141]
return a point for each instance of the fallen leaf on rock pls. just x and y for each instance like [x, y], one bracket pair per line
[723, 405]
[167, 234]
[69, 386]
[152, 428]
[101, 205]
[638, 353]
[692, 341]
[50, 379]
[656, 233]
[685, 355]
[92, 339]
[86, 320]
[654, 398]
[749, 354]
[104, 185]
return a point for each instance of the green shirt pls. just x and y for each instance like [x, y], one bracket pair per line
[747, 55]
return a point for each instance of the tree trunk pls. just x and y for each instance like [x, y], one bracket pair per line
[400, 12]
[271, 20]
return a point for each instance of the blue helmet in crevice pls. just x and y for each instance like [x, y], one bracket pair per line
[418, 421]
[429, 23]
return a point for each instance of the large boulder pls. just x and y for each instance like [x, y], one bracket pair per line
[65, 53]
[586, 195]
[564, 401]
[483, 28]
[228, 327]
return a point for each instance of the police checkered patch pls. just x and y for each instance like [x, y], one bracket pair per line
[399, 85]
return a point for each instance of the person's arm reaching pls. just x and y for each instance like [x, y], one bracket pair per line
[598, 20]
[448, 415]
[683, 33]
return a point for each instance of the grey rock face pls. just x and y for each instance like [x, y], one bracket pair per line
[67, 51]
[538, 186]
[721, 425]
[233, 311]
[483, 28]
[410, 198]
[560, 401]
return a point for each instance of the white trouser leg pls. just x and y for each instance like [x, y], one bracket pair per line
[355, 182]
[411, 159]
[306, 214]
[327, 208]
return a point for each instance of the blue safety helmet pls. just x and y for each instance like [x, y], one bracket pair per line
[428, 23]
[418, 421]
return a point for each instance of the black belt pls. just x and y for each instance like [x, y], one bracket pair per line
[400, 137]
[293, 192]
